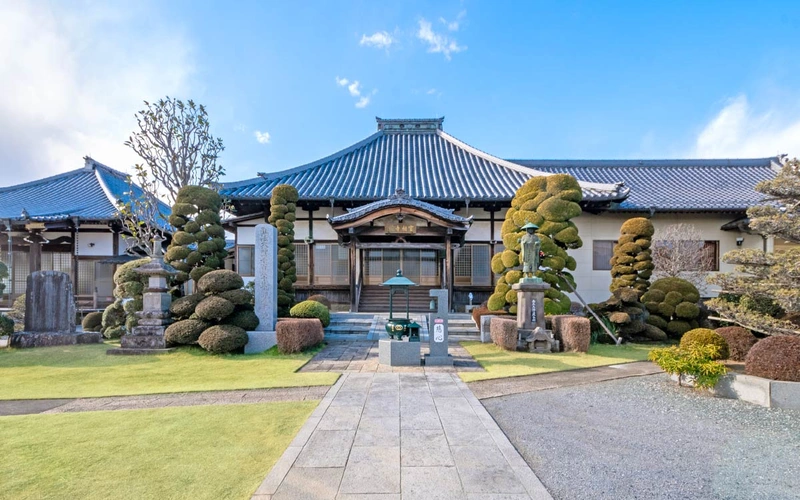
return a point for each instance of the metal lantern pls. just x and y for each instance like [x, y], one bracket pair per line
[400, 327]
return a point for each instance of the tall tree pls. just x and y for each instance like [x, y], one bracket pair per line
[764, 292]
[175, 143]
[140, 214]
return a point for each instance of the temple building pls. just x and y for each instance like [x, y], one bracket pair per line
[412, 197]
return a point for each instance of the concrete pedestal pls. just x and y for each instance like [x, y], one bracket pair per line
[399, 353]
[530, 316]
[260, 341]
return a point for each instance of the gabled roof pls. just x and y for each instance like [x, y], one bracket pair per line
[413, 155]
[400, 200]
[674, 185]
[88, 194]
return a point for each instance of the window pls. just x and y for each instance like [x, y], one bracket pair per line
[331, 264]
[301, 262]
[602, 251]
[710, 261]
[245, 264]
[472, 265]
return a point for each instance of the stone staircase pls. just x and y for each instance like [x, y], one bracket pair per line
[349, 326]
[461, 327]
[376, 299]
[370, 326]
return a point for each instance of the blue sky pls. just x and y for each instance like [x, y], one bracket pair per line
[516, 79]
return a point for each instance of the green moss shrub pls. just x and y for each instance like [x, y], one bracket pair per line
[120, 316]
[549, 202]
[283, 205]
[221, 339]
[297, 334]
[672, 304]
[776, 358]
[198, 245]
[184, 332]
[6, 325]
[632, 263]
[92, 322]
[703, 337]
[739, 341]
[311, 309]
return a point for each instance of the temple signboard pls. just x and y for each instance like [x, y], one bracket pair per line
[400, 228]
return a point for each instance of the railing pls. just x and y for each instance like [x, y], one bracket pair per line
[359, 282]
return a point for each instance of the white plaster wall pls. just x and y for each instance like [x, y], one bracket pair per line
[480, 231]
[246, 235]
[103, 244]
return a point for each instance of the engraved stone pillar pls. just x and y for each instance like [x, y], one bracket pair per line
[266, 290]
[438, 335]
[530, 317]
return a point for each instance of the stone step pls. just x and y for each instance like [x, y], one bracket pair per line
[343, 329]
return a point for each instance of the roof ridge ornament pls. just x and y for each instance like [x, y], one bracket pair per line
[400, 194]
[409, 125]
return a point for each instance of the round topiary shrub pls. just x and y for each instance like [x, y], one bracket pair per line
[6, 325]
[672, 303]
[549, 202]
[739, 341]
[184, 332]
[92, 322]
[321, 299]
[214, 309]
[632, 263]
[246, 320]
[311, 309]
[184, 307]
[239, 297]
[221, 280]
[703, 337]
[776, 358]
[221, 339]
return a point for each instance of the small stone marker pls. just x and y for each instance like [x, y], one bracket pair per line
[50, 313]
[266, 290]
[438, 339]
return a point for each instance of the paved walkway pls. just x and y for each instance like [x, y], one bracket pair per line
[494, 388]
[31, 406]
[362, 356]
[400, 435]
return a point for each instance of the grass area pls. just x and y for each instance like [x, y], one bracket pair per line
[499, 363]
[87, 371]
[192, 452]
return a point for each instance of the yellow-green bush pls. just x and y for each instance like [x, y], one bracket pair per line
[549, 202]
[706, 336]
[311, 309]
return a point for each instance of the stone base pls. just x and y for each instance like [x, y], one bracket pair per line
[541, 341]
[429, 360]
[143, 342]
[258, 342]
[137, 352]
[37, 339]
[399, 353]
[485, 327]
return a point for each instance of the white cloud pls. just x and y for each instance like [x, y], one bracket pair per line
[354, 88]
[740, 131]
[379, 39]
[262, 137]
[431, 91]
[454, 25]
[72, 77]
[438, 42]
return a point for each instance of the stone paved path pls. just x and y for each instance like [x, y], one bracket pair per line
[494, 388]
[400, 435]
[31, 406]
[362, 356]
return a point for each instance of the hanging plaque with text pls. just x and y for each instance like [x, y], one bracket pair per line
[400, 228]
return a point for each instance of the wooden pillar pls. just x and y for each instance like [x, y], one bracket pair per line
[75, 250]
[115, 242]
[35, 254]
[448, 265]
[353, 303]
[310, 246]
[491, 244]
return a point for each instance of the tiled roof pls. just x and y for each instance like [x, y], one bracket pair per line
[89, 193]
[400, 199]
[413, 155]
[674, 185]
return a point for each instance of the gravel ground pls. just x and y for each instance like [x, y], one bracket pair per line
[647, 438]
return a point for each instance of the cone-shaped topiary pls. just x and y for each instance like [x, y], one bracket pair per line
[549, 202]
[120, 316]
[282, 206]
[198, 244]
[672, 303]
[632, 263]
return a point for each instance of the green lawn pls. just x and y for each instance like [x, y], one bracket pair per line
[86, 371]
[499, 363]
[192, 452]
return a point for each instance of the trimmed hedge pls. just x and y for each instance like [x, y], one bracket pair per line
[573, 332]
[295, 335]
[632, 263]
[283, 205]
[184, 332]
[221, 339]
[120, 316]
[245, 319]
[672, 303]
[311, 309]
[92, 322]
[219, 281]
[184, 307]
[776, 358]
[704, 337]
[504, 333]
[214, 308]
[739, 341]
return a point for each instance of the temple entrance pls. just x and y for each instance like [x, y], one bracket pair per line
[423, 267]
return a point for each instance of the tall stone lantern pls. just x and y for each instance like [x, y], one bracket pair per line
[148, 336]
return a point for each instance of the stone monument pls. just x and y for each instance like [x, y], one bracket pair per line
[266, 290]
[530, 297]
[50, 313]
[148, 336]
[438, 337]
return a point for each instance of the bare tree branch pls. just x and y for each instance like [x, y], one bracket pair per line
[140, 214]
[679, 251]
